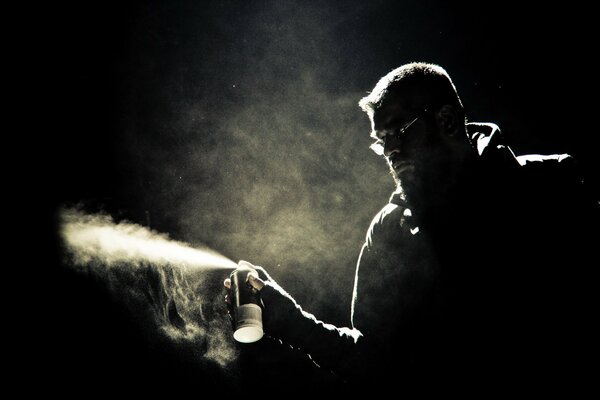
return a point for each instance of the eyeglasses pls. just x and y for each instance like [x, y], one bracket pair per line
[378, 146]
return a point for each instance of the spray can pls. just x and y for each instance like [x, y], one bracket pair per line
[247, 313]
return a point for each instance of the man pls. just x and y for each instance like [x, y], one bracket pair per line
[476, 272]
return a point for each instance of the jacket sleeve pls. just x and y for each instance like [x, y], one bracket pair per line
[376, 306]
[328, 346]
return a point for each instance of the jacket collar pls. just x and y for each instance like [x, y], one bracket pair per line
[487, 140]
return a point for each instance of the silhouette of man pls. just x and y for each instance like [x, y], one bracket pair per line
[477, 271]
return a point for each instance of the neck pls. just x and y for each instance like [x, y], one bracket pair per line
[440, 195]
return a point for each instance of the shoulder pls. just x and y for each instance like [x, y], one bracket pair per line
[558, 177]
[550, 160]
[388, 222]
[557, 170]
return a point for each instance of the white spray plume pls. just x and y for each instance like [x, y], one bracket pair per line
[174, 290]
[90, 237]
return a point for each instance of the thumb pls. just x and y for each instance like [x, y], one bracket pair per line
[255, 281]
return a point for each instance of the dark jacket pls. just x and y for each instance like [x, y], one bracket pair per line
[493, 289]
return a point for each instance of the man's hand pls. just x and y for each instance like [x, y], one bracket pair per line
[253, 278]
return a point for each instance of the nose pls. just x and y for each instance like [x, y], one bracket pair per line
[391, 145]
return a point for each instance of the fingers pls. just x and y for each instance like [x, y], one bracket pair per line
[227, 284]
[252, 279]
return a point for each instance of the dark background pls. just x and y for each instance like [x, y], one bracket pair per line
[234, 124]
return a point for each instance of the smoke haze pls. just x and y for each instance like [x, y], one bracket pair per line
[234, 125]
[166, 284]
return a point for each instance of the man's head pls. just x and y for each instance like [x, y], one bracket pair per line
[418, 124]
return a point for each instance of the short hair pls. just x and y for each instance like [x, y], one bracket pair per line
[418, 85]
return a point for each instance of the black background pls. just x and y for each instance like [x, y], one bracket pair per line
[128, 90]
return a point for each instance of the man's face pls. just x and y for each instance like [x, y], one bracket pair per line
[399, 136]
[414, 148]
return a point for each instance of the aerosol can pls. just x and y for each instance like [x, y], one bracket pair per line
[247, 312]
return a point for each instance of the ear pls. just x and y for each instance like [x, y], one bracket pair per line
[447, 120]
